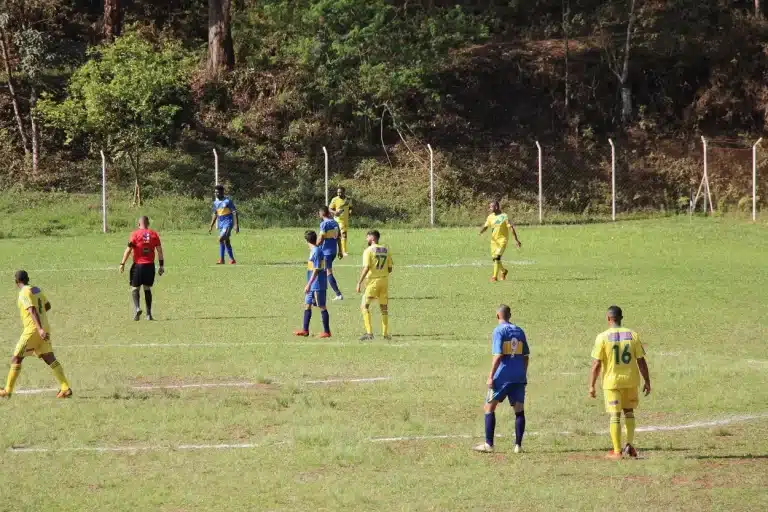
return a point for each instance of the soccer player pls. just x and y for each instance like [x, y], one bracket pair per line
[36, 336]
[329, 241]
[499, 238]
[225, 212]
[621, 357]
[507, 378]
[314, 291]
[377, 265]
[143, 242]
[341, 208]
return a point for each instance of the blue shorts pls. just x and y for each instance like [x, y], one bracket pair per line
[328, 258]
[315, 298]
[225, 231]
[515, 392]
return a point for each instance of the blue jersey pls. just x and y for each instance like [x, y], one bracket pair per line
[329, 228]
[225, 209]
[317, 262]
[510, 343]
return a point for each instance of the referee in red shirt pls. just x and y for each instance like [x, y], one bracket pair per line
[143, 243]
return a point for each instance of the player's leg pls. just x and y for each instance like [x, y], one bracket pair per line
[630, 400]
[222, 244]
[134, 280]
[320, 298]
[492, 399]
[331, 279]
[365, 308]
[50, 359]
[502, 271]
[309, 300]
[15, 370]
[343, 230]
[147, 282]
[613, 408]
[384, 306]
[517, 401]
[228, 244]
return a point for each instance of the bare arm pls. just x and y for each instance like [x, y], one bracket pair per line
[514, 233]
[643, 367]
[213, 222]
[483, 229]
[237, 223]
[363, 273]
[312, 280]
[47, 306]
[160, 257]
[494, 366]
[36, 318]
[594, 374]
[525, 364]
[126, 254]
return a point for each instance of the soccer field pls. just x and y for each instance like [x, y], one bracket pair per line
[216, 406]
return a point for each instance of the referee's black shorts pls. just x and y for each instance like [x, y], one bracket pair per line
[142, 275]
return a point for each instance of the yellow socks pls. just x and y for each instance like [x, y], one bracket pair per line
[496, 268]
[13, 374]
[629, 419]
[367, 321]
[343, 245]
[58, 372]
[616, 432]
[384, 323]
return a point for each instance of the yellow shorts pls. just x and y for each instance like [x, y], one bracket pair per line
[497, 249]
[376, 290]
[32, 344]
[618, 399]
[342, 227]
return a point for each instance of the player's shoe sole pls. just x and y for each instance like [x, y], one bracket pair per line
[504, 274]
[366, 337]
[338, 297]
[324, 335]
[518, 449]
[346, 254]
[301, 333]
[137, 316]
[150, 318]
[64, 394]
[4, 394]
[612, 455]
[220, 262]
[483, 448]
[629, 451]
[233, 262]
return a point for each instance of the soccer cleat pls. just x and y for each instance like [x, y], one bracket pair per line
[483, 448]
[346, 254]
[220, 262]
[612, 455]
[137, 315]
[150, 317]
[629, 451]
[233, 262]
[64, 394]
[301, 333]
[4, 394]
[388, 337]
[339, 297]
[324, 335]
[493, 279]
[518, 449]
[504, 274]
[366, 337]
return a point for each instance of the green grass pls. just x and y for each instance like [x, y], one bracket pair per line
[696, 291]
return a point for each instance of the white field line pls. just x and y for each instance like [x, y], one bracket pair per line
[134, 449]
[209, 385]
[651, 428]
[291, 265]
[234, 345]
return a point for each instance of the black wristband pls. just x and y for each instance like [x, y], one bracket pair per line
[161, 262]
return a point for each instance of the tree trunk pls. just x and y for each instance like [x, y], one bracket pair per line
[35, 135]
[136, 186]
[566, 33]
[626, 92]
[12, 91]
[626, 103]
[758, 10]
[221, 54]
[113, 19]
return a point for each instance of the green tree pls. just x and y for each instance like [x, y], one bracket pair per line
[128, 97]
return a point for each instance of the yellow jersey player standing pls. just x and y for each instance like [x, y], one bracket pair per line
[341, 208]
[35, 338]
[499, 238]
[621, 357]
[377, 265]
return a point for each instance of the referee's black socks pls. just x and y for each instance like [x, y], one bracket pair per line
[136, 300]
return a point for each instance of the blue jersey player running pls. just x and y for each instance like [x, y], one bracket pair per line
[329, 242]
[225, 213]
[314, 291]
[507, 379]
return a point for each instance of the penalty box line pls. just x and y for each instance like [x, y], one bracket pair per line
[650, 428]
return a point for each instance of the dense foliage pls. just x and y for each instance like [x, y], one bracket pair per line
[374, 81]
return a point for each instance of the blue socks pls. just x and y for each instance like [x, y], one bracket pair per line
[221, 251]
[229, 251]
[326, 320]
[334, 285]
[519, 427]
[307, 317]
[490, 427]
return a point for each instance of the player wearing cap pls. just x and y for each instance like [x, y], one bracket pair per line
[621, 357]
[35, 337]
[143, 242]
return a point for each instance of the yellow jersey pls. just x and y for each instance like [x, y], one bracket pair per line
[343, 208]
[378, 260]
[618, 350]
[500, 225]
[32, 297]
